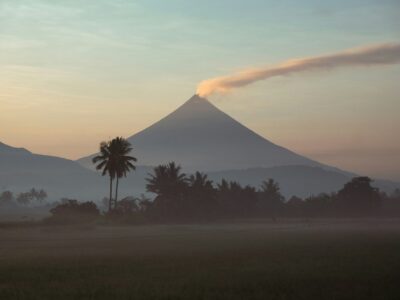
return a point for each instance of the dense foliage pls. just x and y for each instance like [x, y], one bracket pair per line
[183, 198]
[180, 197]
[72, 211]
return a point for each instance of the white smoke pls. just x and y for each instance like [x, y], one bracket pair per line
[381, 54]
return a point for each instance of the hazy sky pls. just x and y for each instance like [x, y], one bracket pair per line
[73, 73]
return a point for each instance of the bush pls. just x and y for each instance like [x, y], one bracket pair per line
[72, 211]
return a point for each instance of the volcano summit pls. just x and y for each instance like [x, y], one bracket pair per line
[199, 136]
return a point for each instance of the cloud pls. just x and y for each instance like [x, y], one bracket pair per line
[381, 54]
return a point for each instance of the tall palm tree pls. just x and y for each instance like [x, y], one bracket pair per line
[115, 162]
[124, 162]
[107, 165]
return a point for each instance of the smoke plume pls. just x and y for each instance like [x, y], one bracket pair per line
[381, 54]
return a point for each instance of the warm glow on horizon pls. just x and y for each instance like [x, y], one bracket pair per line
[72, 75]
[214, 149]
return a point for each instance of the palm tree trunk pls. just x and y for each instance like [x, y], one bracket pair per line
[110, 200]
[116, 194]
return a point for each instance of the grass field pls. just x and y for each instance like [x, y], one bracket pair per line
[242, 260]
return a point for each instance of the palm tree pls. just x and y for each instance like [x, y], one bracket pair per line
[107, 165]
[169, 184]
[201, 196]
[124, 162]
[115, 162]
[199, 179]
[167, 180]
[201, 188]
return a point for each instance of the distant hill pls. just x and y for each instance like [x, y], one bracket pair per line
[21, 170]
[297, 180]
[293, 180]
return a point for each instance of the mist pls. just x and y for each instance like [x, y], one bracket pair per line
[116, 182]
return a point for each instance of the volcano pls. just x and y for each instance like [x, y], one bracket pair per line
[199, 136]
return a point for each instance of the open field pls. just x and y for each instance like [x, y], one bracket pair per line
[241, 260]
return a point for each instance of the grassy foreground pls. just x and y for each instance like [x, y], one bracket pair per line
[257, 260]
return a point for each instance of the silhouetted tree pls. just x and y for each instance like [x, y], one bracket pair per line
[270, 199]
[72, 211]
[223, 196]
[38, 195]
[107, 165]
[124, 162]
[294, 207]
[200, 198]
[319, 205]
[169, 184]
[127, 206]
[358, 196]
[114, 161]
[6, 197]
[143, 203]
[41, 196]
[235, 200]
[24, 198]
[72, 206]
[250, 198]
[391, 204]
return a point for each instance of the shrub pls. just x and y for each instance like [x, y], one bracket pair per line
[72, 211]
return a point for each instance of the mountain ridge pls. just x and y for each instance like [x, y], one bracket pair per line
[7, 149]
[21, 170]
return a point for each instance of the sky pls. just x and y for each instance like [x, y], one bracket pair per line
[74, 73]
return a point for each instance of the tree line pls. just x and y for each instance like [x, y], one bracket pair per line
[25, 198]
[183, 197]
[195, 197]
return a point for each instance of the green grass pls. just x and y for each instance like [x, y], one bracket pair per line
[257, 260]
